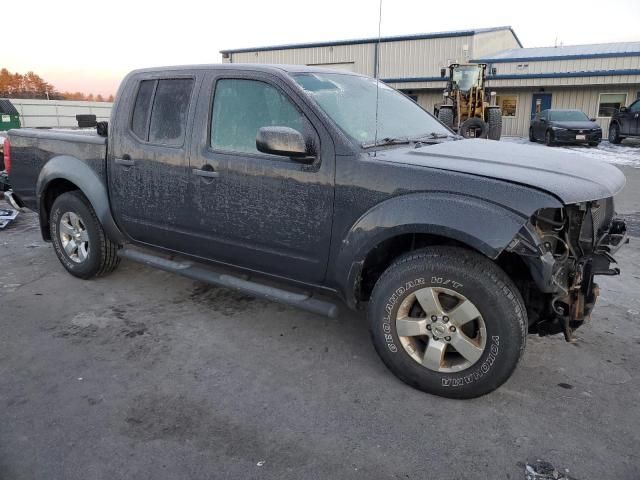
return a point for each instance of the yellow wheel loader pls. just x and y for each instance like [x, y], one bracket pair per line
[468, 109]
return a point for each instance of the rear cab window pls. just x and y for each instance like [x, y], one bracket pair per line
[160, 111]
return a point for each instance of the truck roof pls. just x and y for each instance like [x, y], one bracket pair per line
[272, 68]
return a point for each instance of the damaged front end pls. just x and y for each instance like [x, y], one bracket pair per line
[564, 249]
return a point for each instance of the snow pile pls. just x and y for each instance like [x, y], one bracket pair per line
[627, 153]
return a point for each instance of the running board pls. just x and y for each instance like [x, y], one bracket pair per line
[303, 301]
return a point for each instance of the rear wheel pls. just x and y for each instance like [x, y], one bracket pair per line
[448, 321]
[614, 134]
[494, 119]
[548, 139]
[78, 238]
[445, 115]
[531, 137]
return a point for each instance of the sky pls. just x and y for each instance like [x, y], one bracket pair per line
[89, 46]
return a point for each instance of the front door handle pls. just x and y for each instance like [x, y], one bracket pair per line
[125, 161]
[205, 172]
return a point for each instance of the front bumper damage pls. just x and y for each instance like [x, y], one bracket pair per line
[564, 251]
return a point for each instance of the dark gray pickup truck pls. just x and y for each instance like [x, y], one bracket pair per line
[296, 185]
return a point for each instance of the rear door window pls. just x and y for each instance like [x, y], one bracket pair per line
[142, 108]
[160, 111]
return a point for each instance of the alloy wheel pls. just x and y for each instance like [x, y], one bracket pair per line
[441, 329]
[74, 237]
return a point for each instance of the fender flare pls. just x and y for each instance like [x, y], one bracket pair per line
[88, 181]
[482, 225]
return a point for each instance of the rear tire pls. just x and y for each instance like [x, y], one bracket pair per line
[445, 115]
[79, 239]
[493, 320]
[531, 137]
[494, 119]
[614, 134]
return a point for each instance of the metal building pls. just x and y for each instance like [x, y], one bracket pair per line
[594, 78]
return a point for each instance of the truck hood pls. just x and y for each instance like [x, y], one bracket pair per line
[569, 176]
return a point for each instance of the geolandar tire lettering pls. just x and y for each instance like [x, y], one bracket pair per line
[448, 321]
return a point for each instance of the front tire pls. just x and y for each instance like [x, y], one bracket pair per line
[448, 321]
[614, 134]
[79, 239]
[548, 139]
[532, 138]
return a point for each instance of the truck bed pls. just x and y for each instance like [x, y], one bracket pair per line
[31, 148]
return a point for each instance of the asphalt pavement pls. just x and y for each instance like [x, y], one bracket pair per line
[147, 375]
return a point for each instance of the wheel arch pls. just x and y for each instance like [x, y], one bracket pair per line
[65, 173]
[412, 221]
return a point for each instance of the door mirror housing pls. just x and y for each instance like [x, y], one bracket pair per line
[282, 141]
[592, 119]
[623, 109]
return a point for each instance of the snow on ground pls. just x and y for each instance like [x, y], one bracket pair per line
[627, 153]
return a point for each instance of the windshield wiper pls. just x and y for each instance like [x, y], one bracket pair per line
[432, 136]
[388, 141]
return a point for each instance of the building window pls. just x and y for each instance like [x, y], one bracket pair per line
[507, 104]
[610, 102]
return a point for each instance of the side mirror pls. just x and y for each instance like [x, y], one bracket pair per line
[623, 109]
[592, 119]
[281, 141]
[443, 72]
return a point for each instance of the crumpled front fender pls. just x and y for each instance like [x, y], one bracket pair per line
[482, 225]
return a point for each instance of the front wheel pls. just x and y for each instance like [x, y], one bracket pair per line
[448, 321]
[548, 139]
[78, 238]
[614, 134]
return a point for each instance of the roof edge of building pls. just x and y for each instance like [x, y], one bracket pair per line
[361, 41]
[515, 76]
[558, 57]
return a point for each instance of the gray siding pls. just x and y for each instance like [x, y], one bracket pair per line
[582, 98]
[422, 58]
[361, 56]
[489, 42]
[575, 65]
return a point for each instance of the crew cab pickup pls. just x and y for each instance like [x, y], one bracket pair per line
[310, 186]
[625, 123]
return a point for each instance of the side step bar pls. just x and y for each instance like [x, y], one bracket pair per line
[303, 301]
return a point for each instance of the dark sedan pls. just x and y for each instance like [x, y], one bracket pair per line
[564, 126]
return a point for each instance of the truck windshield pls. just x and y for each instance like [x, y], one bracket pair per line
[350, 101]
[567, 116]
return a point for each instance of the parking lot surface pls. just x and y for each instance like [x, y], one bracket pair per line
[144, 374]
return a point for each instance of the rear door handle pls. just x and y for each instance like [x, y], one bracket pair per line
[205, 173]
[125, 161]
